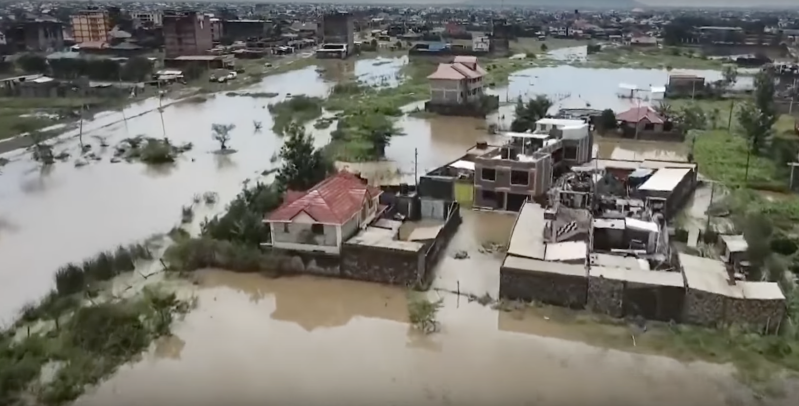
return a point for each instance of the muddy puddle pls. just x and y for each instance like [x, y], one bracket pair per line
[312, 341]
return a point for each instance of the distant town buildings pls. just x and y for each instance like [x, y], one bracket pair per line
[152, 17]
[338, 36]
[186, 33]
[39, 34]
[90, 26]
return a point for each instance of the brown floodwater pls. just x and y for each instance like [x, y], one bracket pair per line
[311, 340]
[51, 216]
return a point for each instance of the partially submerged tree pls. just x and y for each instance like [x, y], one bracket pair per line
[221, 133]
[730, 74]
[528, 113]
[303, 165]
[42, 151]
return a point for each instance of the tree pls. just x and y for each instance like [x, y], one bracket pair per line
[544, 47]
[528, 113]
[31, 63]
[607, 120]
[303, 165]
[221, 133]
[692, 117]
[730, 74]
[136, 69]
[757, 118]
[42, 151]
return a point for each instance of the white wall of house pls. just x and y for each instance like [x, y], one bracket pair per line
[303, 233]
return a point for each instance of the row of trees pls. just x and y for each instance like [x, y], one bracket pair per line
[135, 69]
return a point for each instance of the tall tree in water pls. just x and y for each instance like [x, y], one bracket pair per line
[303, 165]
[528, 113]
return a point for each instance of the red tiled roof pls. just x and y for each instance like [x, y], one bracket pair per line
[637, 114]
[333, 201]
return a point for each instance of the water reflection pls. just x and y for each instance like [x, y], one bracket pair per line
[235, 350]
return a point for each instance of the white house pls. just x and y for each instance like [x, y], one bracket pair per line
[325, 216]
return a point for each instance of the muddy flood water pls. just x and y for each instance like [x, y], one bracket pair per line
[316, 341]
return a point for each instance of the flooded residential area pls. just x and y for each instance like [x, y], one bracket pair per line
[349, 228]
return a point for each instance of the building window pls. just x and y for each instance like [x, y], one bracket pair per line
[489, 195]
[285, 227]
[519, 178]
[570, 152]
[488, 174]
[318, 229]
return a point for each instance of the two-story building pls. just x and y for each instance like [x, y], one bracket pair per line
[523, 168]
[325, 216]
[186, 33]
[457, 88]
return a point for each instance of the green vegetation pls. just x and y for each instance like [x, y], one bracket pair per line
[652, 58]
[422, 312]
[257, 95]
[527, 114]
[150, 150]
[77, 337]
[362, 136]
[298, 109]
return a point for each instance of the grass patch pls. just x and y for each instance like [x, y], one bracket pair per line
[653, 58]
[722, 157]
[298, 109]
[89, 346]
[362, 136]
[422, 312]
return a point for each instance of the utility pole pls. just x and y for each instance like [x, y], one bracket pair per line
[161, 109]
[416, 168]
[729, 121]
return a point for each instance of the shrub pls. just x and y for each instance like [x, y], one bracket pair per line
[200, 253]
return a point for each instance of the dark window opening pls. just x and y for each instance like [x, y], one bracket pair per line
[489, 195]
[488, 174]
[285, 227]
[317, 228]
[519, 178]
[570, 152]
[649, 127]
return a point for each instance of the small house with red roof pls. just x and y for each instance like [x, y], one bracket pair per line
[645, 118]
[459, 82]
[325, 216]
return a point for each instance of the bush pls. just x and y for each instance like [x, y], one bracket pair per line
[199, 253]
[298, 109]
[73, 278]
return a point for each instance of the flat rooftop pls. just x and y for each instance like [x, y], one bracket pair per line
[665, 180]
[643, 277]
[527, 236]
[383, 238]
[539, 266]
[598, 163]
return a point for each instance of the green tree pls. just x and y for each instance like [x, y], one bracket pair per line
[31, 63]
[730, 74]
[303, 165]
[136, 69]
[528, 113]
[757, 118]
[607, 120]
[221, 133]
[544, 47]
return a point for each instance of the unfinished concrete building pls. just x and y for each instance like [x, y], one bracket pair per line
[523, 168]
[338, 36]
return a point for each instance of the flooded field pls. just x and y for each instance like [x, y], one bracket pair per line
[311, 340]
[63, 213]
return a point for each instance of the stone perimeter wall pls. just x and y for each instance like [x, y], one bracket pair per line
[606, 296]
[555, 289]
